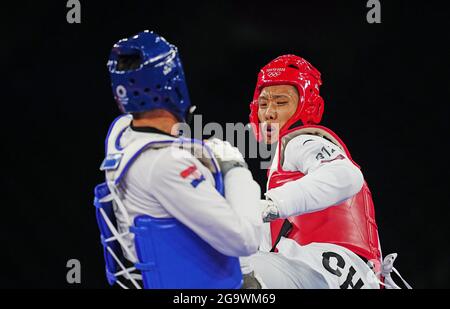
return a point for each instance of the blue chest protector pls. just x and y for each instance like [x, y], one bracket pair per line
[169, 255]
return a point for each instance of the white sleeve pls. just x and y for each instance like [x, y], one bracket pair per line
[232, 225]
[330, 177]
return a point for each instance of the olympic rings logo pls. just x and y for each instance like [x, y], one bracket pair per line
[273, 74]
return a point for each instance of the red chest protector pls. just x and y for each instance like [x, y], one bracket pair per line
[350, 224]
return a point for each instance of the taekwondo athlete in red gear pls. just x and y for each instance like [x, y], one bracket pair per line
[321, 222]
[149, 174]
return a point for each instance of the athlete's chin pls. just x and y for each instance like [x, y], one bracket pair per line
[270, 139]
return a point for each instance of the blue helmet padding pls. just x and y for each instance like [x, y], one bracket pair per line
[171, 256]
[158, 82]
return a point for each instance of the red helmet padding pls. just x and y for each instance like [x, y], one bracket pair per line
[295, 71]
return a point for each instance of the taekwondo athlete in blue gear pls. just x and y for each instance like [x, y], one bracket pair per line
[173, 213]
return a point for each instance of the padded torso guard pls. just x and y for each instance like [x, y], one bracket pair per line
[169, 254]
[351, 224]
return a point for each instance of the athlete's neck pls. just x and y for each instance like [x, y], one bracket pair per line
[158, 119]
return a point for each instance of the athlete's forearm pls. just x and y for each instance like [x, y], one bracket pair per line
[328, 185]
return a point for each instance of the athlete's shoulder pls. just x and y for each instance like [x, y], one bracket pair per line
[306, 151]
[303, 139]
[169, 156]
[305, 143]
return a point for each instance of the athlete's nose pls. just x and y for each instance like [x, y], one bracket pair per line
[271, 113]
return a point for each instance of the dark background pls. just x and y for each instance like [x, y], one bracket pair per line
[385, 90]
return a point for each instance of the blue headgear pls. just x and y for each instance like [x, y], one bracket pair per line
[155, 80]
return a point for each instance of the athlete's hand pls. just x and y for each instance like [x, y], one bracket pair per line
[227, 156]
[270, 212]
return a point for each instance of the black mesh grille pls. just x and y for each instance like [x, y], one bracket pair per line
[129, 62]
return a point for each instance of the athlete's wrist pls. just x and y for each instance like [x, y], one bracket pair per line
[271, 212]
[226, 166]
[227, 156]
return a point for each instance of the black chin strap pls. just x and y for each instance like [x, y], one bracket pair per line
[296, 124]
[190, 114]
[189, 117]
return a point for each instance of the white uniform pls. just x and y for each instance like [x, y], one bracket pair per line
[330, 178]
[155, 185]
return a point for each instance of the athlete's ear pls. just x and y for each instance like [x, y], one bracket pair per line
[314, 109]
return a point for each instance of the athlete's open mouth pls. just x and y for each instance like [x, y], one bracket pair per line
[269, 129]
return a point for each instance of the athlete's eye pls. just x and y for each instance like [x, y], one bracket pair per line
[282, 102]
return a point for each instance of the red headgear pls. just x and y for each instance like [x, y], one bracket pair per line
[295, 71]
